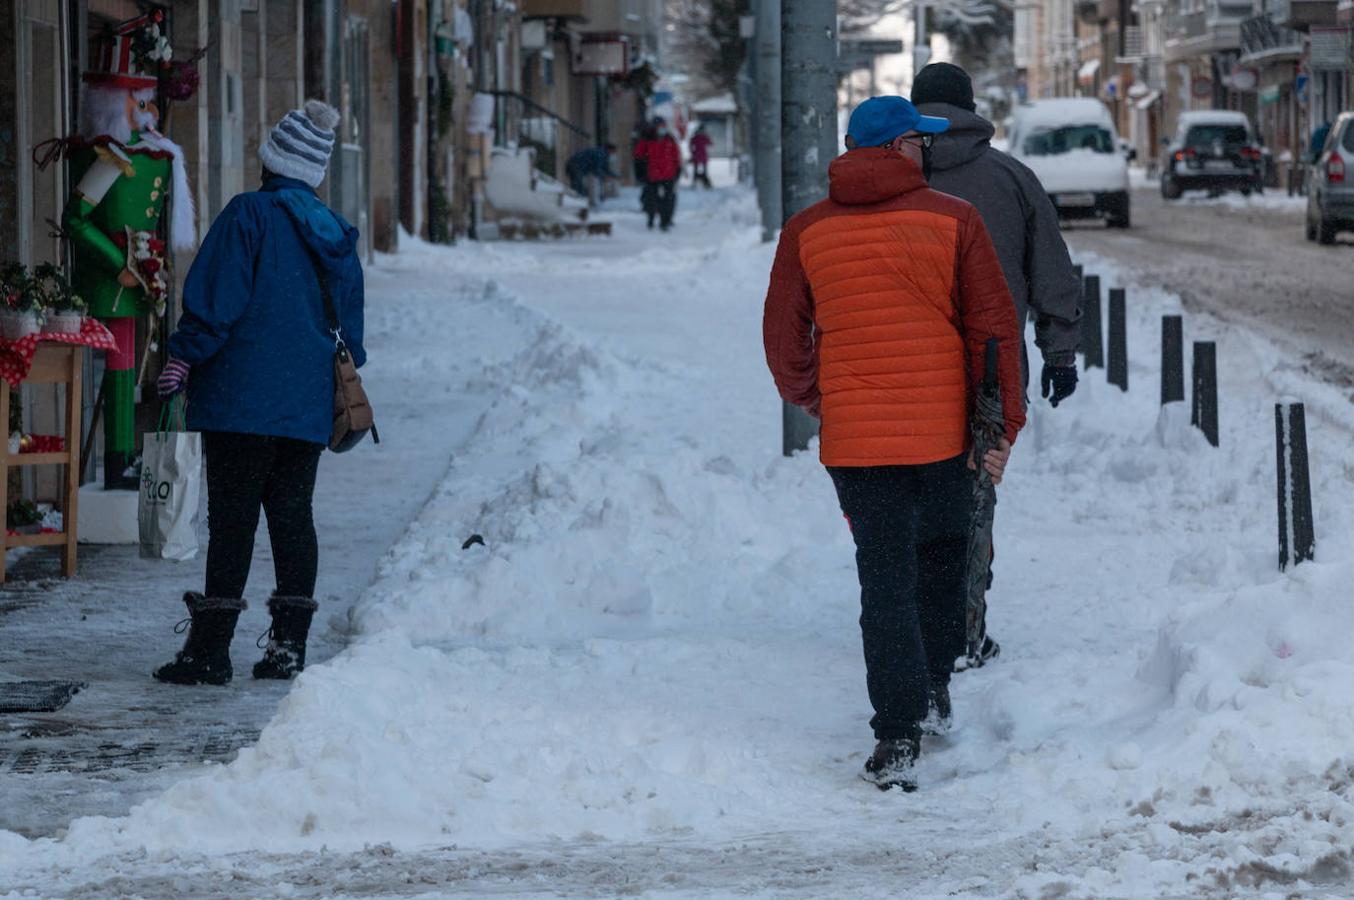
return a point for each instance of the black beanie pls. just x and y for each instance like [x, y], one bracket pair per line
[943, 83]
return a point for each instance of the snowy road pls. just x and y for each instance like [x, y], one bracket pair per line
[649, 681]
[1244, 260]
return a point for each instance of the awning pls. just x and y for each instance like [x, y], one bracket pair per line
[1146, 102]
[1088, 69]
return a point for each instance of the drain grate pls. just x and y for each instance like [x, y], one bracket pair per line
[110, 759]
[36, 696]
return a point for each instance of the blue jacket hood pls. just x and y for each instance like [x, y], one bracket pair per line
[323, 230]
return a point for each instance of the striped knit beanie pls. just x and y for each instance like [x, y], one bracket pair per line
[299, 146]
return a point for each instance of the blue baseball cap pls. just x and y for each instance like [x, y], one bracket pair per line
[881, 119]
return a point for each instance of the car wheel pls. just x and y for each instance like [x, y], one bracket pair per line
[1246, 190]
[1325, 232]
[1170, 189]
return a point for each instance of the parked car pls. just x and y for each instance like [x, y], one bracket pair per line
[1071, 145]
[1214, 150]
[1330, 191]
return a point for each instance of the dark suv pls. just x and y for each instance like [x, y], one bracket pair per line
[1214, 151]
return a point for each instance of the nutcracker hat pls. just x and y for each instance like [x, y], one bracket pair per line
[128, 50]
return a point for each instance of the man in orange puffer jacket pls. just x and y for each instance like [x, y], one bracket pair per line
[881, 302]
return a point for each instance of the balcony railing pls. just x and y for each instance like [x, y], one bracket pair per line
[1261, 38]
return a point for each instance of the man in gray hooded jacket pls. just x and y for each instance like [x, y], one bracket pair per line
[1024, 227]
[1019, 216]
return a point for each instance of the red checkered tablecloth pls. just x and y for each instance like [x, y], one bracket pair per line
[16, 357]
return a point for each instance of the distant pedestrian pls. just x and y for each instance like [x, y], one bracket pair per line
[700, 157]
[640, 160]
[1024, 228]
[256, 354]
[881, 302]
[663, 166]
[592, 165]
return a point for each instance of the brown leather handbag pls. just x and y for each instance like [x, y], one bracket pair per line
[353, 416]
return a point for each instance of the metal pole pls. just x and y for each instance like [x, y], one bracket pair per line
[768, 116]
[921, 45]
[1204, 408]
[1297, 537]
[1092, 333]
[1117, 371]
[1172, 360]
[808, 136]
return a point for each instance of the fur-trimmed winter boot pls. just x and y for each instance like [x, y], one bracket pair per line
[285, 654]
[205, 657]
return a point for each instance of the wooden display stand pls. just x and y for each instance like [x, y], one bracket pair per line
[53, 363]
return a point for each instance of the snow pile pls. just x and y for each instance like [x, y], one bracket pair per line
[657, 644]
[1271, 201]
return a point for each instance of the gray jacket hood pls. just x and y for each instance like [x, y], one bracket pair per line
[969, 136]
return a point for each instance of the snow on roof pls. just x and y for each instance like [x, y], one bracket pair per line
[1062, 111]
[1231, 117]
[723, 104]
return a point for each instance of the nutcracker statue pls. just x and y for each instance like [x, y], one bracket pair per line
[124, 172]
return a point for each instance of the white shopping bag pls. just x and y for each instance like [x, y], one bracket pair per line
[171, 483]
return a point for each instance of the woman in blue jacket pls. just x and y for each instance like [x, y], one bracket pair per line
[255, 353]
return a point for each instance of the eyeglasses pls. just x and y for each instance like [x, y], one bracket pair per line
[920, 140]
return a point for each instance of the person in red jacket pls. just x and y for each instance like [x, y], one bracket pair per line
[700, 157]
[881, 303]
[663, 166]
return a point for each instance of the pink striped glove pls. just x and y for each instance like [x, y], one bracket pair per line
[173, 378]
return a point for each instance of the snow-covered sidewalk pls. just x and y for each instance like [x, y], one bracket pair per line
[648, 679]
[125, 737]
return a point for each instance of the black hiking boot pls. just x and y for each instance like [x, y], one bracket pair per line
[989, 651]
[940, 714]
[893, 764]
[285, 654]
[205, 657]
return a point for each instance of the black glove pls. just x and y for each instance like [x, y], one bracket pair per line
[1062, 379]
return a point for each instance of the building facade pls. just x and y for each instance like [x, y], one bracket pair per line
[432, 94]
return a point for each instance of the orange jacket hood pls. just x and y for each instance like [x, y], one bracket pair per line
[872, 175]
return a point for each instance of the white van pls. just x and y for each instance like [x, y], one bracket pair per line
[1071, 144]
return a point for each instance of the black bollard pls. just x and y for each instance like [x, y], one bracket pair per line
[1297, 537]
[1172, 360]
[1092, 340]
[1117, 372]
[1204, 411]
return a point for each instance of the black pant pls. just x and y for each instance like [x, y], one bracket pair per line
[910, 525]
[664, 201]
[246, 472]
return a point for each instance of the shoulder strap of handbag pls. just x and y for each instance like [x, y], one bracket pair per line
[330, 313]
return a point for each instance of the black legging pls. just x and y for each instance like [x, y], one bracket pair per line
[246, 472]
